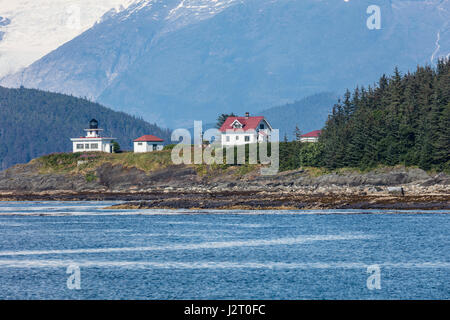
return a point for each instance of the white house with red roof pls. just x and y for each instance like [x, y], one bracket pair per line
[245, 130]
[312, 136]
[148, 143]
[93, 141]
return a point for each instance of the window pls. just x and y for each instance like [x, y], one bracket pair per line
[139, 143]
[228, 138]
[86, 146]
[247, 138]
[80, 146]
[237, 137]
[236, 124]
[261, 126]
[155, 147]
[94, 145]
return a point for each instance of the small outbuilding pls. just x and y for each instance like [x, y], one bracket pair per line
[148, 143]
[312, 136]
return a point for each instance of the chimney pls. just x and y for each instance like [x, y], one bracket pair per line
[247, 115]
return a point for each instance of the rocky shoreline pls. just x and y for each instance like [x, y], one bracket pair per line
[288, 201]
[248, 200]
[176, 187]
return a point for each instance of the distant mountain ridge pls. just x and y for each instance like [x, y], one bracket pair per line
[176, 61]
[308, 114]
[34, 123]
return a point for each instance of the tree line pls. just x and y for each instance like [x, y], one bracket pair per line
[401, 120]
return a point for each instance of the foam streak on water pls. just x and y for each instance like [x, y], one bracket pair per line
[213, 264]
[197, 246]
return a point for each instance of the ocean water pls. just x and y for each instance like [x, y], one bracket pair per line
[78, 250]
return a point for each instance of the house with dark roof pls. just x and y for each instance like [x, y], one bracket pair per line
[148, 143]
[244, 130]
[312, 136]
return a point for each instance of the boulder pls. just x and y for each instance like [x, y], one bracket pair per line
[397, 191]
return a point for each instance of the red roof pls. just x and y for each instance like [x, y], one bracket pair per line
[248, 123]
[312, 134]
[149, 138]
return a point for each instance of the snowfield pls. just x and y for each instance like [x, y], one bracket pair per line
[29, 29]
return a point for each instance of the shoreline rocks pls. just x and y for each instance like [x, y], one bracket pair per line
[182, 187]
[249, 200]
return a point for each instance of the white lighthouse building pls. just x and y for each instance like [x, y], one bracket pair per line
[93, 141]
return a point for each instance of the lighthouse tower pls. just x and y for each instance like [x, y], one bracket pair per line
[93, 141]
[93, 131]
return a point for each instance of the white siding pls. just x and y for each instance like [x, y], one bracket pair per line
[147, 146]
[234, 139]
[309, 139]
[90, 144]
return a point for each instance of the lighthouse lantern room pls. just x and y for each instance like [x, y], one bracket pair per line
[93, 141]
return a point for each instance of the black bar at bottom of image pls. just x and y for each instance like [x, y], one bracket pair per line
[226, 309]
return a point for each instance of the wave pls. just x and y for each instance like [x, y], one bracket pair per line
[196, 246]
[217, 264]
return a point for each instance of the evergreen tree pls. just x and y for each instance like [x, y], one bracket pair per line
[297, 133]
[221, 119]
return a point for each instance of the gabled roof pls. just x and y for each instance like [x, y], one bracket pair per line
[312, 134]
[248, 123]
[236, 121]
[149, 138]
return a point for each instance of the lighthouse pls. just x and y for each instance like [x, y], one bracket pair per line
[93, 141]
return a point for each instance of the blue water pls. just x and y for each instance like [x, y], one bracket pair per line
[180, 254]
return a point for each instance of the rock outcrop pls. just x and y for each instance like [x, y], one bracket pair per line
[181, 186]
[109, 177]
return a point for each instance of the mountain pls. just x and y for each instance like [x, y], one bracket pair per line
[34, 123]
[30, 29]
[174, 61]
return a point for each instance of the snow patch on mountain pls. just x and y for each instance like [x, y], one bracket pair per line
[199, 8]
[444, 12]
[137, 6]
[30, 29]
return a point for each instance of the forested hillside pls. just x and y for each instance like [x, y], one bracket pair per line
[404, 119]
[34, 123]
